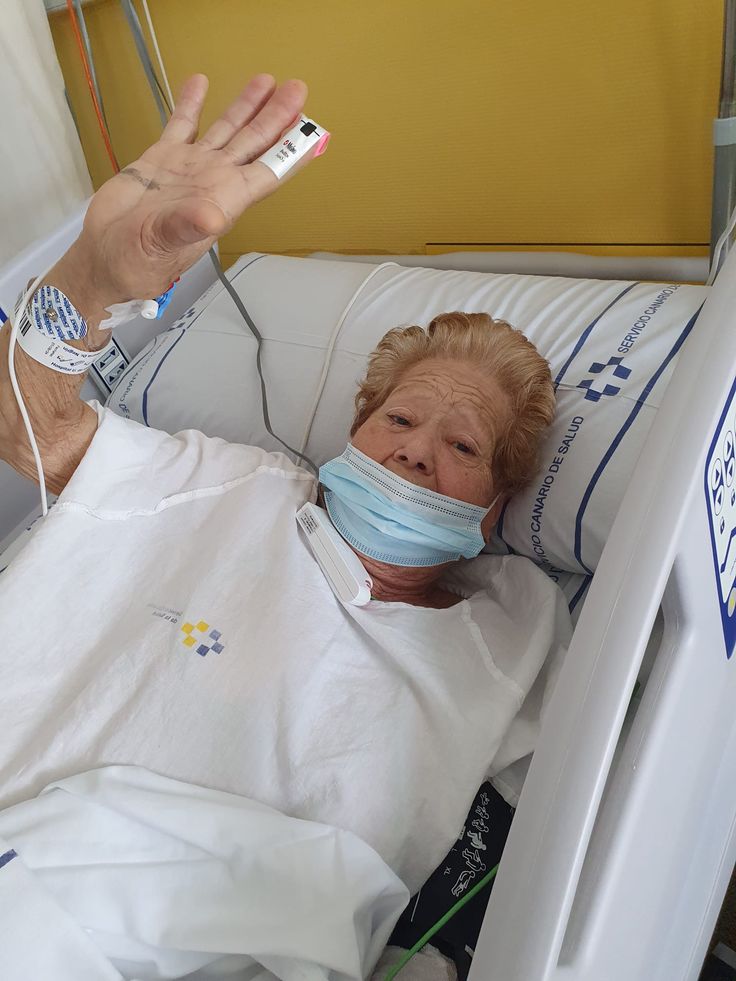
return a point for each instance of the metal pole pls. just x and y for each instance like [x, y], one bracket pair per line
[727, 105]
[724, 133]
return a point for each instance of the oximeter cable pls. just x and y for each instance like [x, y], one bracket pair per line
[259, 342]
[136, 31]
[14, 319]
[440, 923]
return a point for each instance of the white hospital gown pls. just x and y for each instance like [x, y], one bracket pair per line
[168, 614]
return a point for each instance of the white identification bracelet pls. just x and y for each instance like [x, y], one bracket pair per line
[52, 353]
[47, 322]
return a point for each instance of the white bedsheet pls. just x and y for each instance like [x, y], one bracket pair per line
[120, 873]
[185, 627]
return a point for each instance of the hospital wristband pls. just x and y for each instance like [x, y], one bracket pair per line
[51, 352]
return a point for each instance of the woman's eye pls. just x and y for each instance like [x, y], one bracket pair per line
[464, 448]
[400, 420]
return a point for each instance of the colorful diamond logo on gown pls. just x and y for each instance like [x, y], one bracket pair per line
[202, 637]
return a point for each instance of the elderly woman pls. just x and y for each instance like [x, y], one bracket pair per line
[179, 620]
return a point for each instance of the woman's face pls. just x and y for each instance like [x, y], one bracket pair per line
[438, 429]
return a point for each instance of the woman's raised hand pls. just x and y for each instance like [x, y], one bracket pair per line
[154, 219]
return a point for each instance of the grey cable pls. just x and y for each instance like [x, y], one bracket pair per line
[259, 342]
[154, 84]
[137, 31]
[163, 95]
[90, 57]
[72, 113]
[727, 102]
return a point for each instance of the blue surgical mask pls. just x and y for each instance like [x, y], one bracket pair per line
[394, 521]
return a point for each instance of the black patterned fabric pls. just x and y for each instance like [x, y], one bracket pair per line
[474, 854]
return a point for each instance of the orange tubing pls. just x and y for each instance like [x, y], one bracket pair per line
[88, 74]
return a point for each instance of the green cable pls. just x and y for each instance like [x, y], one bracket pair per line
[440, 923]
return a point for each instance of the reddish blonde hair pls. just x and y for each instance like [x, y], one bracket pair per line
[498, 350]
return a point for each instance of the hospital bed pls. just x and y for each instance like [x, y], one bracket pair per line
[623, 840]
[624, 837]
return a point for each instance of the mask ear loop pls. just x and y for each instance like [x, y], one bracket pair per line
[490, 508]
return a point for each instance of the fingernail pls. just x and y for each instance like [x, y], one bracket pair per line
[322, 145]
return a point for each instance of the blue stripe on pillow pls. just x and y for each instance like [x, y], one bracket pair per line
[144, 400]
[587, 332]
[580, 593]
[620, 435]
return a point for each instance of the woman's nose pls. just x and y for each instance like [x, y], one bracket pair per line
[415, 453]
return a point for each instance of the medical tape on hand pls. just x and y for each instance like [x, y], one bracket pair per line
[121, 313]
[52, 353]
[294, 145]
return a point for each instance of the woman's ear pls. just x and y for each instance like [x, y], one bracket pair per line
[491, 519]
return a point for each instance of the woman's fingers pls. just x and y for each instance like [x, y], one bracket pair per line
[254, 182]
[220, 192]
[182, 127]
[262, 131]
[250, 101]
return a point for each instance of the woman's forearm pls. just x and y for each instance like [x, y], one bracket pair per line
[62, 424]
[143, 229]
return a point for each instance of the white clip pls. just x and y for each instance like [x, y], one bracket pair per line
[339, 563]
[149, 310]
[294, 145]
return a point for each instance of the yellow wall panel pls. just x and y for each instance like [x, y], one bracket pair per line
[454, 121]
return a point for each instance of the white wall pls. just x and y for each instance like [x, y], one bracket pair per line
[43, 175]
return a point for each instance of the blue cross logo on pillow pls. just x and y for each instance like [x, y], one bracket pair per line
[614, 368]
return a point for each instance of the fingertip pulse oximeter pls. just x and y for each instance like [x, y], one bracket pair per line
[294, 145]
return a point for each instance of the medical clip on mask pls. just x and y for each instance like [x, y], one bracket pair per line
[392, 520]
[341, 566]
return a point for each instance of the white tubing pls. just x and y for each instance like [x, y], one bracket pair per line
[14, 319]
[330, 348]
[715, 264]
[159, 59]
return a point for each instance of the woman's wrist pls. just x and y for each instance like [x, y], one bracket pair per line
[76, 275]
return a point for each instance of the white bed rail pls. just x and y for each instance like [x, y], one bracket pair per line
[619, 856]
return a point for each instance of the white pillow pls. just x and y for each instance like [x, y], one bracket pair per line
[611, 345]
